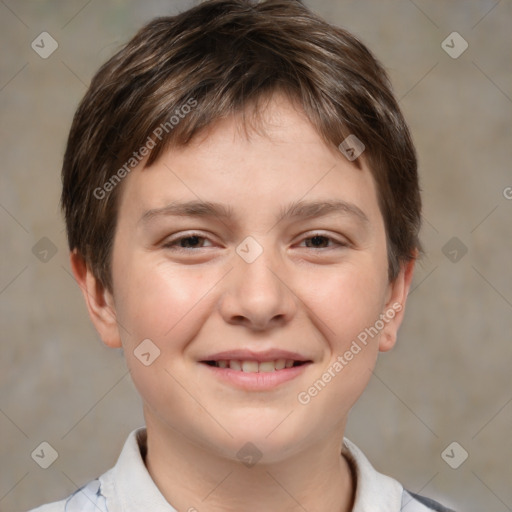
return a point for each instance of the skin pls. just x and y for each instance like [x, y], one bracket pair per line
[304, 294]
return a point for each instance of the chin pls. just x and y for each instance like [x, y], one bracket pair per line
[270, 438]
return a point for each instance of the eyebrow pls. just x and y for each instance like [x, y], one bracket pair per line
[189, 209]
[303, 209]
[299, 209]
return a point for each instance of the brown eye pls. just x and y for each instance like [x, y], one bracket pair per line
[188, 242]
[319, 241]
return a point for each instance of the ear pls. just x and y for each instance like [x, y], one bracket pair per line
[99, 300]
[393, 313]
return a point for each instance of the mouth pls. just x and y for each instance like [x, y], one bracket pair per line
[257, 372]
[254, 366]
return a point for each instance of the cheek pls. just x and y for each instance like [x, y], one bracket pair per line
[345, 301]
[347, 304]
[155, 301]
[166, 306]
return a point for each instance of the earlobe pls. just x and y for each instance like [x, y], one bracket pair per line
[99, 301]
[395, 307]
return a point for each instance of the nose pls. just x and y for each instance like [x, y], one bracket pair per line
[257, 295]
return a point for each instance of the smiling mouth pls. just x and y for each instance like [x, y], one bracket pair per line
[255, 366]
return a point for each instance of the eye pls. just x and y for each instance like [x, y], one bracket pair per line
[188, 242]
[319, 241]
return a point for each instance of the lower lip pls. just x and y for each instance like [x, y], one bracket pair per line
[260, 381]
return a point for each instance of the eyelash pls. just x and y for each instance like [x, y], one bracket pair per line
[172, 243]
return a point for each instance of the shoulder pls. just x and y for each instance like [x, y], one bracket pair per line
[86, 499]
[119, 485]
[381, 493]
[58, 506]
[412, 502]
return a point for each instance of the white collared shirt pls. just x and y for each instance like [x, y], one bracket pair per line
[128, 487]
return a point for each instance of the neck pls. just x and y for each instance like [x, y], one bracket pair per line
[193, 478]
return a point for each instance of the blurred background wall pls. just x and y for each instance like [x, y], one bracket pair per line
[447, 381]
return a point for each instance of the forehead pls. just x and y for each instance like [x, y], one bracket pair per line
[279, 160]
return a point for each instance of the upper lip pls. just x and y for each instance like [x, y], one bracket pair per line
[252, 355]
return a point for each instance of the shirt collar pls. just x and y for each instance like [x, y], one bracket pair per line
[374, 491]
[130, 485]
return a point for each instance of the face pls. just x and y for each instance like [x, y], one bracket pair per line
[257, 267]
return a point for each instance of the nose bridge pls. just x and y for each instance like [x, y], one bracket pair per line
[259, 276]
[256, 293]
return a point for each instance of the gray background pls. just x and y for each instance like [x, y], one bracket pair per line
[449, 377]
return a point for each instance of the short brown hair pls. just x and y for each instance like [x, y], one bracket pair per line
[221, 56]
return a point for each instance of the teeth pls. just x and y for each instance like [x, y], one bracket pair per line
[235, 365]
[268, 366]
[254, 366]
[280, 364]
[250, 366]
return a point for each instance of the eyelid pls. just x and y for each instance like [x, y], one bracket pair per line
[170, 242]
[339, 241]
